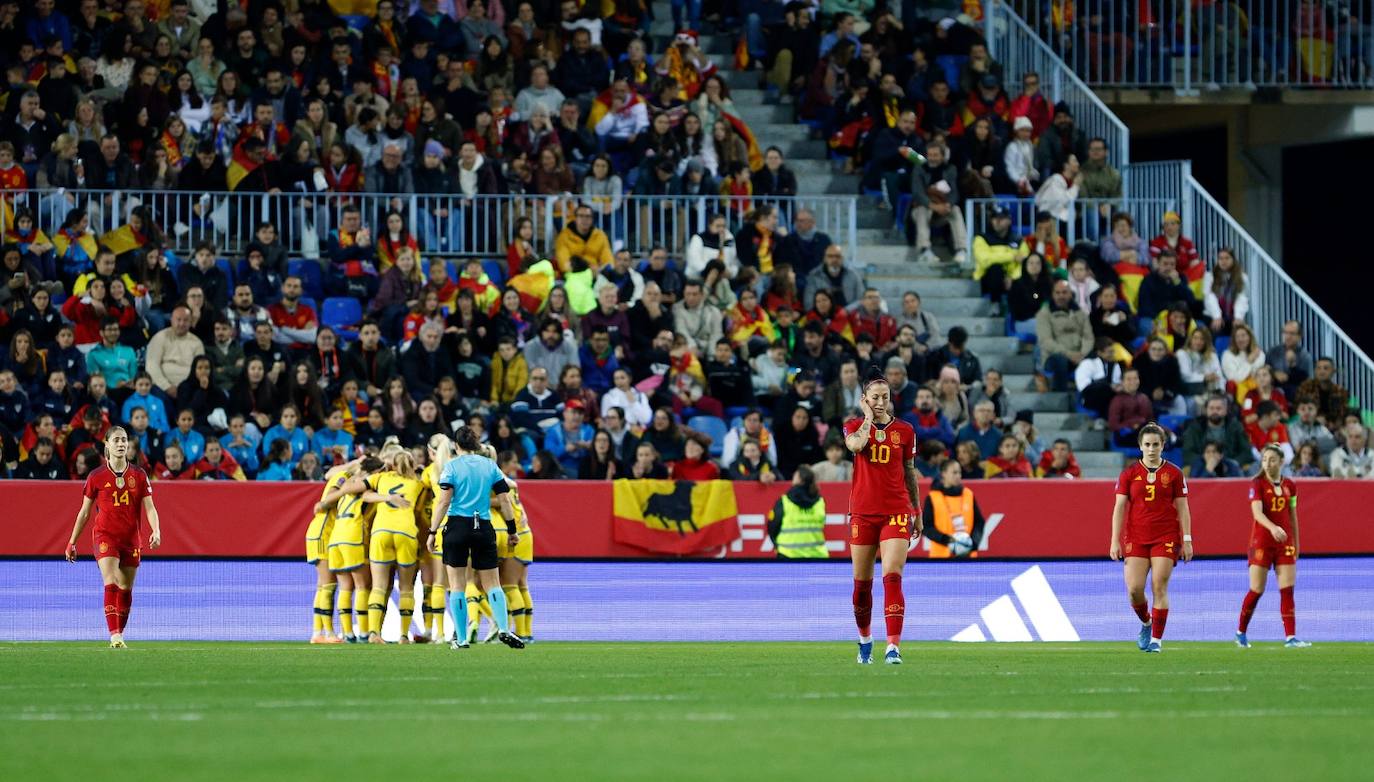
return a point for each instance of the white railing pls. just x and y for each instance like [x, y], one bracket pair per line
[1190, 46]
[1020, 50]
[482, 226]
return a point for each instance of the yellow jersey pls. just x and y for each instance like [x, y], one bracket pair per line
[429, 481]
[321, 522]
[522, 522]
[389, 519]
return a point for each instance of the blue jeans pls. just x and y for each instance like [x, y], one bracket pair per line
[693, 14]
[1058, 368]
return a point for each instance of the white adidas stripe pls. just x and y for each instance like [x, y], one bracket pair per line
[1038, 600]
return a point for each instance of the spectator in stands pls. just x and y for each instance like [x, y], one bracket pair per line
[1268, 429]
[610, 315]
[995, 262]
[539, 93]
[935, 202]
[799, 443]
[1122, 237]
[840, 399]
[1354, 459]
[661, 271]
[1028, 293]
[1082, 283]
[716, 243]
[1160, 378]
[1064, 336]
[1129, 410]
[622, 121]
[600, 462]
[1032, 104]
[957, 354]
[1308, 463]
[648, 316]
[583, 239]
[834, 275]
[1018, 159]
[836, 468]
[1009, 462]
[923, 323]
[804, 247]
[423, 363]
[698, 321]
[1190, 265]
[928, 419]
[1332, 400]
[893, 153]
[949, 394]
[1225, 299]
[1100, 181]
[551, 351]
[1264, 391]
[1058, 462]
[570, 440]
[982, 429]
[1289, 360]
[598, 361]
[171, 352]
[1213, 464]
[751, 465]
[1241, 359]
[1199, 368]
[1216, 425]
[1059, 141]
[42, 464]
[537, 406]
[633, 403]
[1161, 289]
[1307, 429]
[1056, 196]
[750, 428]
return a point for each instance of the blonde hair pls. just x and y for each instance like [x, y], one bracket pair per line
[403, 464]
[440, 448]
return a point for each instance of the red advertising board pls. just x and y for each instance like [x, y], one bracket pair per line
[1028, 518]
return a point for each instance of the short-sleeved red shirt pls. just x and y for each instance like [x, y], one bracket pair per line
[117, 507]
[1150, 515]
[879, 485]
[1276, 500]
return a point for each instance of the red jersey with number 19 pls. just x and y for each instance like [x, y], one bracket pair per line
[118, 507]
[1151, 516]
[879, 485]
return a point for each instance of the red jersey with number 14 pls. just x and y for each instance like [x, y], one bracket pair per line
[117, 508]
[1150, 515]
[879, 485]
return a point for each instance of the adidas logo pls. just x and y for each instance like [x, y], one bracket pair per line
[1003, 621]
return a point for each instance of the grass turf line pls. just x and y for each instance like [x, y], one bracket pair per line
[192, 711]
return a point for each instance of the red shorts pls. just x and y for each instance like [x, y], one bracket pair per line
[1171, 548]
[129, 550]
[1272, 554]
[867, 529]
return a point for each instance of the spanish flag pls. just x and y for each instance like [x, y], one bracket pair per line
[534, 285]
[1132, 274]
[755, 154]
[675, 517]
[123, 239]
[239, 167]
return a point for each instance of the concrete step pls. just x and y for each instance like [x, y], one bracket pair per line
[976, 327]
[1080, 440]
[741, 80]
[828, 184]
[759, 114]
[930, 288]
[1059, 422]
[1011, 365]
[783, 134]
[1104, 464]
[793, 151]
[809, 167]
[1049, 403]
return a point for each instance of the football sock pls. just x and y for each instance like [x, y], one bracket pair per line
[376, 608]
[476, 607]
[407, 603]
[863, 605]
[1142, 610]
[895, 607]
[496, 602]
[525, 627]
[124, 600]
[426, 608]
[324, 607]
[1288, 610]
[112, 608]
[458, 609]
[436, 608]
[1247, 609]
[360, 611]
[516, 604]
[346, 611]
[1158, 618]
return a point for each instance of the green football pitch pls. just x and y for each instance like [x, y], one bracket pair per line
[559, 711]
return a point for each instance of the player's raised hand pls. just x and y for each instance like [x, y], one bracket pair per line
[1279, 535]
[154, 540]
[1115, 551]
[1187, 551]
[71, 552]
[865, 408]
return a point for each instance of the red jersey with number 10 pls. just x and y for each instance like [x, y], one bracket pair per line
[1151, 516]
[879, 485]
[117, 508]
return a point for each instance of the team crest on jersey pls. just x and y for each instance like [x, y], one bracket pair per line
[1128, 545]
[1164, 478]
[896, 438]
[104, 547]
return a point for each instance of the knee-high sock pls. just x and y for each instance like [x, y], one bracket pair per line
[112, 608]
[324, 607]
[863, 605]
[458, 609]
[1158, 618]
[124, 602]
[376, 608]
[436, 608]
[1247, 609]
[407, 605]
[1288, 610]
[525, 627]
[496, 600]
[360, 610]
[346, 610]
[894, 610]
[1142, 610]
[515, 604]
[426, 610]
[476, 603]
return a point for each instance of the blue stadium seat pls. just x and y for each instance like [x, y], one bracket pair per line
[228, 270]
[342, 314]
[496, 271]
[952, 65]
[1174, 423]
[1222, 343]
[899, 214]
[312, 303]
[736, 411]
[712, 427]
[312, 276]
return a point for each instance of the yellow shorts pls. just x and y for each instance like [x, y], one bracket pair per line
[344, 557]
[317, 538]
[523, 551]
[388, 547]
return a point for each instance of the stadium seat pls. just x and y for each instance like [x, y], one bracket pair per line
[312, 276]
[736, 411]
[496, 271]
[899, 214]
[1174, 423]
[342, 314]
[952, 65]
[228, 270]
[312, 303]
[712, 427]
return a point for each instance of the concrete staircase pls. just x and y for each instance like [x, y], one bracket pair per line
[890, 265]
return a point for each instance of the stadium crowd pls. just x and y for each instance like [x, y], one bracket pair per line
[738, 359]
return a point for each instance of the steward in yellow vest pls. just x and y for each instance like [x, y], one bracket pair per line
[952, 516]
[796, 524]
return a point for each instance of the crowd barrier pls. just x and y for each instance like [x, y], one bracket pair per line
[573, 519]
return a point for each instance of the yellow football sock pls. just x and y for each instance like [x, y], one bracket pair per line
[436, 608]
[527, 620]
[515, 606]
[476, 605]
[376, 608]
[324, 607]
[407, 602]
[360, 611]
[346, 611]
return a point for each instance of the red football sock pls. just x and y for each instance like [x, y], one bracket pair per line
[863, 605]
[1158, 618]
[1288, 610]
[124, 599]
[1142, 610]
[895, 607]
[1247, 609]
[112, 607]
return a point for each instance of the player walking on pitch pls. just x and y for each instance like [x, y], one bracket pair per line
[1152, 509]
[117, 490]
[884, 512]
[1273, 543]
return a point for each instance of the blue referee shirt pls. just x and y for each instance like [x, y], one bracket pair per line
[471, 477]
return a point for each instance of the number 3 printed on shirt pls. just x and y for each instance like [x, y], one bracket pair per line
[1149, 492]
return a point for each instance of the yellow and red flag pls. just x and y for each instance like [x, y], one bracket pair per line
[675, 517]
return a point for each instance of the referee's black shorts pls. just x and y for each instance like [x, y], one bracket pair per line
[467, 536]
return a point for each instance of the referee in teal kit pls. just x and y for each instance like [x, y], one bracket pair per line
[466, 484]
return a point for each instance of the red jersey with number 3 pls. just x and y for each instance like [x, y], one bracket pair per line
[1150, 515]
[1275, 500]
[879, 485]
[117, 508]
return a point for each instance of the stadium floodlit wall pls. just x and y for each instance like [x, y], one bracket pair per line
[582, 519]
[710, 601]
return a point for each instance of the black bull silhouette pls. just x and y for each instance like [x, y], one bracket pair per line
[673, 509]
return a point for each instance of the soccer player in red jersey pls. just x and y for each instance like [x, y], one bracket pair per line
[117, 490]
[1152, 511]
[884, 512]
[1273, 543]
